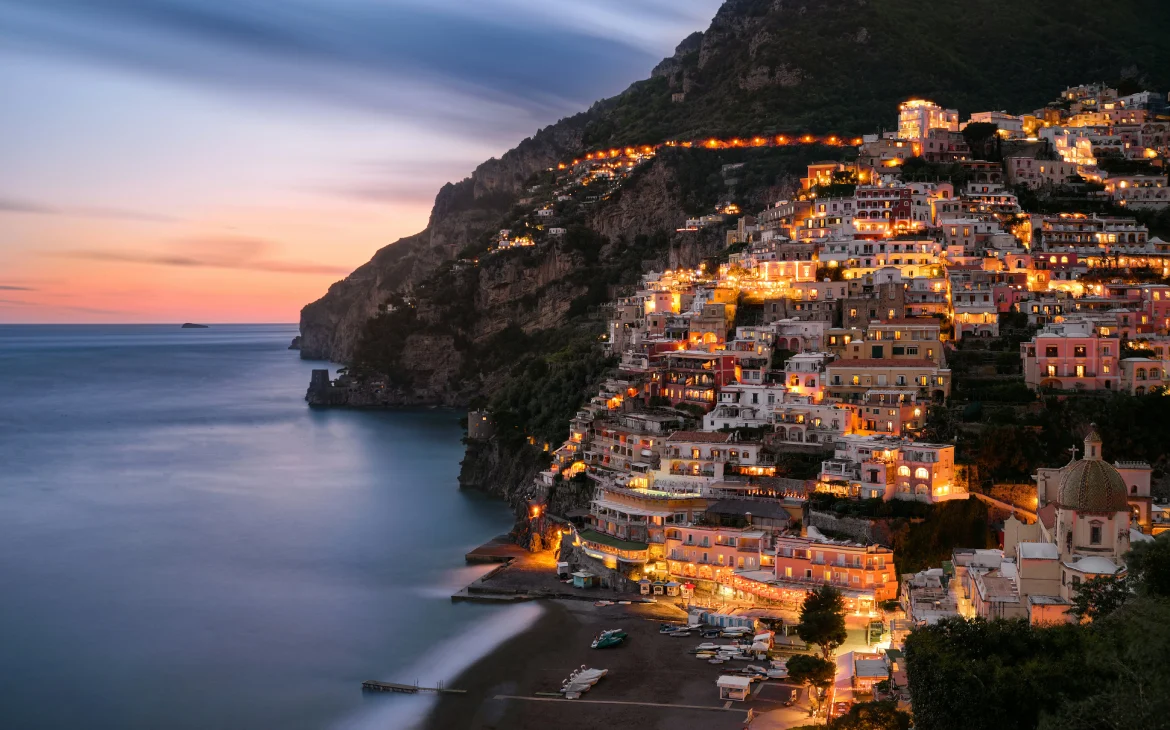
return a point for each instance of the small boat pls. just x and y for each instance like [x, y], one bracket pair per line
[716, 661]
[624, 603]
[607, 639]
[668, 628]
[587, 676]
[705, 655]
[603, 603]
[574, 690]
[710, 634]
[679, 634]
[706, 647]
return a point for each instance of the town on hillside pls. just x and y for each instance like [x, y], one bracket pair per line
[771, 427]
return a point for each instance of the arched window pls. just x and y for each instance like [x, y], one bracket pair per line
[903, 471]
[1141, 373]
[1155, 374]
[1140, 390]
[922, 473]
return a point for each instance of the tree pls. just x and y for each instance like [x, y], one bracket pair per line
[873, 716]
[1126, 658]
[993, 675]
[822, 620]
[1148, 564]
[983, 139]
[813, 671]
[1098, 597]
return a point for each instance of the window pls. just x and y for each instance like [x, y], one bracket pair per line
[922, 473]
[1095, 533]
[856, 380]
[1079, 351]
[1051, 371]
[694, 453]
[1050, 352]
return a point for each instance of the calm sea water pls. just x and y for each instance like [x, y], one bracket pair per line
[184, 544]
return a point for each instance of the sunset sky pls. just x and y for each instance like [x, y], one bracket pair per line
[227, 160]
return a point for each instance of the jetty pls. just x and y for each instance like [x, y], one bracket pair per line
[374, 685]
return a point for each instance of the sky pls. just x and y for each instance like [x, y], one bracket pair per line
[227, 160]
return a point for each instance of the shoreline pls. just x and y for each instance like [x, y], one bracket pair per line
[653, 681]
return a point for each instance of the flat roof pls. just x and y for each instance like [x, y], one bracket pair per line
[706, 437]
[870, 668]
[1038, 551]
[737, 682]
[614, 542]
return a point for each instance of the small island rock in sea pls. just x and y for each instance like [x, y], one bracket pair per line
[192, 326]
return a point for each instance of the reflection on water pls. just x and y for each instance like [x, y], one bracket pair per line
[184, 544]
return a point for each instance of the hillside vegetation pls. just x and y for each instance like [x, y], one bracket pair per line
[842, 66]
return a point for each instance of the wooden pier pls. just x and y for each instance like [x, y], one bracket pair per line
[374, 685]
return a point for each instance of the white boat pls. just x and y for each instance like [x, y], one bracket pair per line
[575, 688]
[716, 661]
[707, 646]
[589, 676]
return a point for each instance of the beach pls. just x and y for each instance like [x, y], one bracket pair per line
[653, 681]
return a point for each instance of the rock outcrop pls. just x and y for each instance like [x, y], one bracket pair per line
[464, 211]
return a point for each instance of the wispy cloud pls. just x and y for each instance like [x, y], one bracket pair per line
[13, 287]
[250, 254]
[400, 181]
[398, 56]
[29, 207]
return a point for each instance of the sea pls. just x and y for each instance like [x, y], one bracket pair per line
[185, 544]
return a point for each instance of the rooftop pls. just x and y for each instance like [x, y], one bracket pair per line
[614, 542]
[1038, 551]
[869, 668]
[883, 363]
[705, 437]
[764, 509]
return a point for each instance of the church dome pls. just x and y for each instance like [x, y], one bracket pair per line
[1092, 484]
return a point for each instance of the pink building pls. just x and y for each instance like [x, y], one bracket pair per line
[865, 573]
[1072, 355]
[713, 553]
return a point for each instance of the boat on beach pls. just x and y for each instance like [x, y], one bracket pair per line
[607, 639]
[589, 676]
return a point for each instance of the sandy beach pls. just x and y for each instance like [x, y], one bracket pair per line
[652, 683]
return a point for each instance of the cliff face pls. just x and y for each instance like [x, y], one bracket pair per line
[331, 326]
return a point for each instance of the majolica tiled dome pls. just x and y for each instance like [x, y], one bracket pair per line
[1092, 484]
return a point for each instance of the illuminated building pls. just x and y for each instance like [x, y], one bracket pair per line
[918, 116]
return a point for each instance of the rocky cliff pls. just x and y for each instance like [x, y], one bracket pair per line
[331, 326]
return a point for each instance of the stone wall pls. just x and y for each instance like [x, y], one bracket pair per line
[862, 530]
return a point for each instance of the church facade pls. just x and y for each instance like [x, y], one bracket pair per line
[1089, 512]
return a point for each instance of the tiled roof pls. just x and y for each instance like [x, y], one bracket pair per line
[705, 437]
